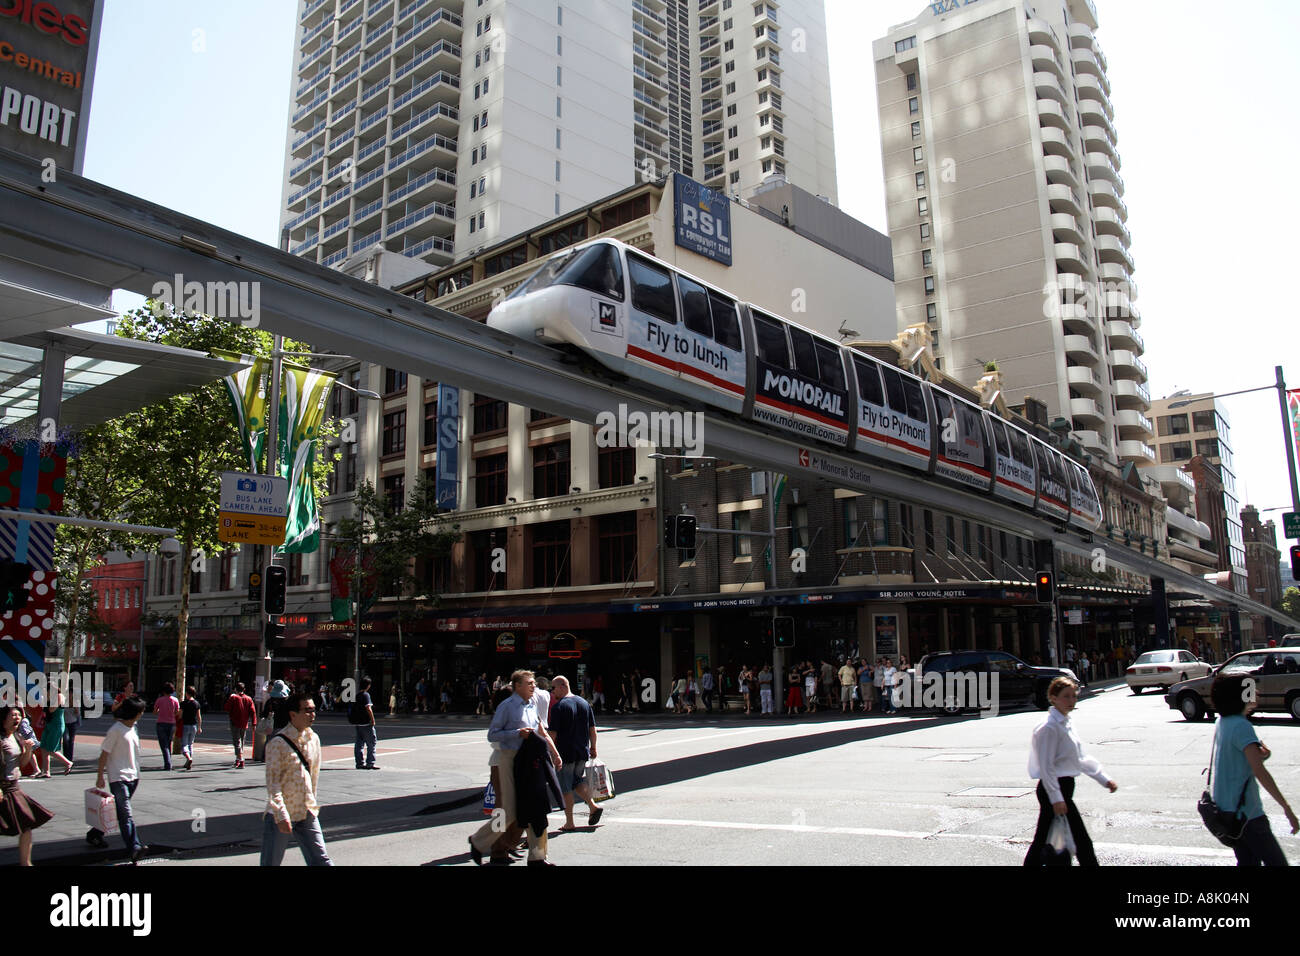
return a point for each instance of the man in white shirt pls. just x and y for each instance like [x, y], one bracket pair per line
[119, 764]
[292, 772]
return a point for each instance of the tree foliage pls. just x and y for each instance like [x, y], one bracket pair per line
[1290, 603]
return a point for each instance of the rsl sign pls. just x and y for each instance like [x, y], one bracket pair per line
[254, 508]
[702, 219]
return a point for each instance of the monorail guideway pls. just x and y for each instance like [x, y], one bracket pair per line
[76, 227]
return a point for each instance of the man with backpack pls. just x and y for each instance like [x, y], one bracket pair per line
[292, 772]
[241, 711]
[361, 714]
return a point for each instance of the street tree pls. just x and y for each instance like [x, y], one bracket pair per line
[1290, 603]
[392, 541]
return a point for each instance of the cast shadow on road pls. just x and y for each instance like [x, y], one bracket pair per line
[399, 815]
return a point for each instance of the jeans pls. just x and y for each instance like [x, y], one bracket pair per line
[310, 841]
[366, 737]
[166, 733]
[765, 694]
[69, 738]
[122, 792]
[1258, 846]
[237, 738]
[708, 700]
[188, 731]
[1082, 842]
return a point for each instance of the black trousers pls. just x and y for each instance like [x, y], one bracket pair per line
[1258, 846]
[1082, 842]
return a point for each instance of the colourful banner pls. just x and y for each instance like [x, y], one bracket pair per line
[302, 410]
[1293, 406]
[247, 390]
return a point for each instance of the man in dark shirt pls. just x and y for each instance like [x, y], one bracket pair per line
[573, 728]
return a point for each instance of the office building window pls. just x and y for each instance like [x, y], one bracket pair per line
[911, 82]
[482, 545]
[551, 470]
[929, 285]
[950, 526]
[490, 480]
[394, 381]
[903, 46]
[731, 110]
[928, 517]
[617, 547]
[913, 105]
[920, 180]
[918, 154]
[931, 312]
[916, 130]
[740, 544]
[550, 547]
[923, 206]
[350, 468]
[730, 88]
[733, 155]
[489, 415]
[927, 258]
[734, 178]
[616, 467]
[430, 434]
[394, 438]
[925, 230]
[395, 491]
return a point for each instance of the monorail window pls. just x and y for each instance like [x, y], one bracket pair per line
[598, 269]
[894, 389]
[726, 327]
[695, 306]
[805, 354]
[869, 389]
[544, 277]
[770, 340]
[1020, 447]
[652, 290]
[915, 407]
[832, 368]
[1000, 438]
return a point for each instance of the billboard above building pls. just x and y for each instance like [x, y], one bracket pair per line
[701, 219]
[47, 68]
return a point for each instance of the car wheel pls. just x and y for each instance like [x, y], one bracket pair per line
[1191, 706]
[1293, 706]
[1136, 690]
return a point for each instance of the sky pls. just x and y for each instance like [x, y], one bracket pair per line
[191, 103]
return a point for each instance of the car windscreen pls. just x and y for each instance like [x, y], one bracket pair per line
[1156, 657]
[545, 276]
[1243, 664]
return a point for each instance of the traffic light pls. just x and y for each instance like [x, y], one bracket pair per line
[1295, 559]
[1044, 587]
[783, 632]
[275, 582]
[686, 532]
[273, 634]
[14, 576]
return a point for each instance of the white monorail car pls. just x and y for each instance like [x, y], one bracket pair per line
[655, 324]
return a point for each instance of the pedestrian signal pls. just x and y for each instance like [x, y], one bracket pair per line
[783, 632]
[1044, 587]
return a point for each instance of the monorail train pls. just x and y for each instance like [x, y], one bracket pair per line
[653, 323]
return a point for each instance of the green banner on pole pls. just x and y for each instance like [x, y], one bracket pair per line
[247, 390]
[302, 410]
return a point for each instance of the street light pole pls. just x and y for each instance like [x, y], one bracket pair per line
[1287, 439]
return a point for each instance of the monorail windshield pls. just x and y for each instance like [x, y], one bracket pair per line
[596, 268]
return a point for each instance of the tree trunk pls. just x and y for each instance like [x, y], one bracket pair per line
[71, 636]
[401, 668]
[183, 618]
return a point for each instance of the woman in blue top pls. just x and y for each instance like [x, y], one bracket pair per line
[1239, 772]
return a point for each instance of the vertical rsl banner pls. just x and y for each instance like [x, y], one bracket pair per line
[302, 410]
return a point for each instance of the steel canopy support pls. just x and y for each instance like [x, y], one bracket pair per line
[85, 230]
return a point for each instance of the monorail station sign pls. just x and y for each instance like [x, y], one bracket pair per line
[47, 67]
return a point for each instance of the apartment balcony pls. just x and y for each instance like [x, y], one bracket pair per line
[1083, 379]
[1109, 223]
[443, 150]
[713, 172]
[1133, 425]
[317, 30]
[1097, 140]
[653, 38]
[1057, 142]
[439, 118]
[1094, 113]
[1102, 166]
[711, 129]
[1122, 335]
[1131, 394]
[1044, 60]
[710, 66]
[659, 108]
[1085, 61]
[1040, 31]
[656, 149]
[313, 110]
[1111, 251]
[1127, 365]
[344, 59]
[1066, 228]
[1069, 258]
[1085, 411]
[1063, 199]
[649, 128]
[1084, 10]
[1138, 452]
[1114, 273]
[441, 25]
[310, 13]
[1074, 315]
[1047, 86]
[436, 182]
[640, 8]
[316, 153]
[443, 55]
[653, 60]
[1081, 36]
[1089, 438]
[302, 194]
[707, 6]
[378, 34]
[1059, 171]
[441, 87]
[1090, 88]
[1050, 113]
[1105, 193]
[707, 107]
[641, 74]
[1081, 349]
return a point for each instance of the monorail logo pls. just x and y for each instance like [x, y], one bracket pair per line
[812, 396]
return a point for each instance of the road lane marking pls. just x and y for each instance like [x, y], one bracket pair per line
[1146, 848]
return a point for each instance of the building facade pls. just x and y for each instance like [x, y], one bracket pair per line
[1263, 568]
[1006, 209]
[435, 128]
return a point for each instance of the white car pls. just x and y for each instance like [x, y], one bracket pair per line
[1163, 669]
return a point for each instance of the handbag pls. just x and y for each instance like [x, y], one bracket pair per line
[489, 800]
[1225, 827]
[101, 810]
[600, 782]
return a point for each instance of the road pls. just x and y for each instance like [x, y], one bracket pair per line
[866, 789]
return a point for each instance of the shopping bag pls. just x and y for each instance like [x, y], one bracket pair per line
[1060, 843]
[600, 782]
[489, 800]
[101, 810]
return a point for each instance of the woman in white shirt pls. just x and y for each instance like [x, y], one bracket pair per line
[1056, 757]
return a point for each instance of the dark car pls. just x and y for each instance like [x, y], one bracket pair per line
[1018, 683]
